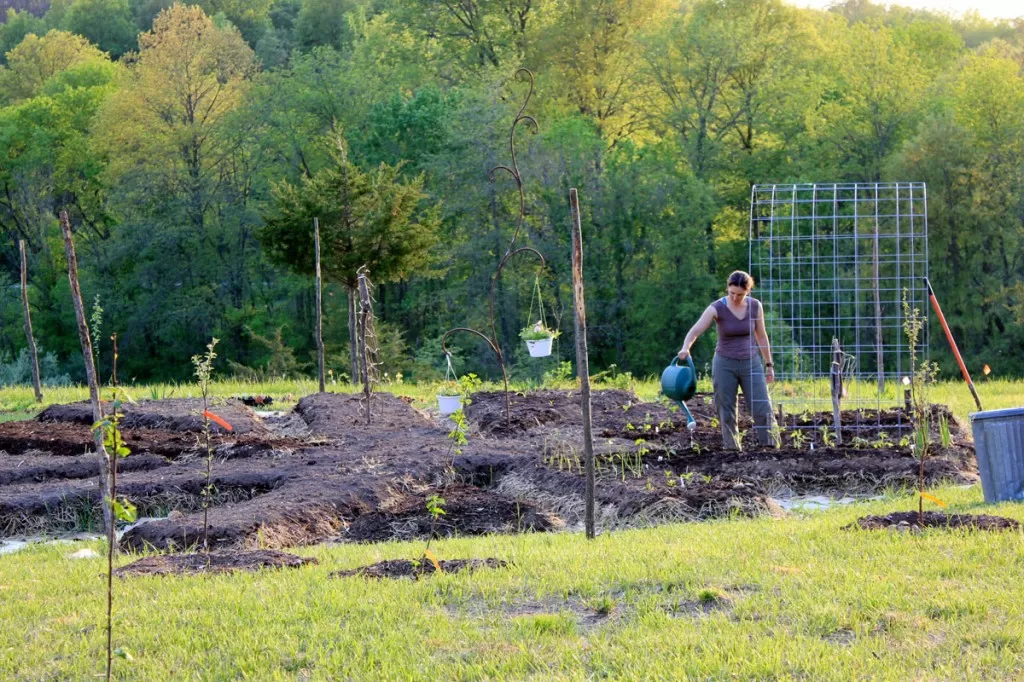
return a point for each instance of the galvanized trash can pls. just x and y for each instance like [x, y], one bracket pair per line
[999, 445]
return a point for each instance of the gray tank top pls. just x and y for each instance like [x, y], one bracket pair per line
[736, 338]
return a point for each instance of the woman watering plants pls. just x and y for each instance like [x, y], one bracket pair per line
[741, 333]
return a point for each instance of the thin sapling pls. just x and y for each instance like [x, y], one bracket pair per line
[922, 376]
[203, 369]
[109, 427]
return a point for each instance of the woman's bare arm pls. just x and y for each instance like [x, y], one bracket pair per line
[705, 321]
[761, 334]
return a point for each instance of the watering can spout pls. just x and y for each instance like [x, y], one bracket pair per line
[679, 383]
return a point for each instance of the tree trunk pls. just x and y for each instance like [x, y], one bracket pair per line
[90, 374]
[34, 355]
[353, 337]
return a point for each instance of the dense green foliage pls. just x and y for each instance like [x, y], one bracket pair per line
[171, 134]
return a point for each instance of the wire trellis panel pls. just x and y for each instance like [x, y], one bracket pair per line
[832, 261]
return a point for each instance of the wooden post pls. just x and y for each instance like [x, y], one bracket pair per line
[33, 354]
[364, 321]
[321, 376]
[836, 377]
[113, 376]
[582, 361]
[90, 374]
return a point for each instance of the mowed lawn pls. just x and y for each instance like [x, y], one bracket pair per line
[766, 599]
[798, 597]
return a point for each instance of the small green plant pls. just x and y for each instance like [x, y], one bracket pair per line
[828, 437]
[797, 439]
[457, 437]
[435, 507]
[538, 332]
[558, 374]
[944, 431]
[449, 387]
[95, 323]
[859, 442]
[883, 442]
[603, 605]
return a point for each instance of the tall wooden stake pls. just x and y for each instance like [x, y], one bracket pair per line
[90, 375]
[113, 376]
[34, 355]
[836, 377]
[364, 321]
[319, 310]
[582, 361]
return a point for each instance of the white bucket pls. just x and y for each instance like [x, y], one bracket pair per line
[447, 404]
[540, 348]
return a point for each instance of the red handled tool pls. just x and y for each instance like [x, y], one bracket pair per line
[952, 343]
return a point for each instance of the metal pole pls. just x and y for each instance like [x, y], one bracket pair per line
[582, 362]
[319, 310]
[28, 323]
[879, 353]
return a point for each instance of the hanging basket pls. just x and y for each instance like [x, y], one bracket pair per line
[539, 348]
[447, 404]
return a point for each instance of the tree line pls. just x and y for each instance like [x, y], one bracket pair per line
[192, 144]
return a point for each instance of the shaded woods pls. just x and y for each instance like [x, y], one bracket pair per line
[188, 144]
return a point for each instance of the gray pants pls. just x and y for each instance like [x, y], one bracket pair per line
[728, 375]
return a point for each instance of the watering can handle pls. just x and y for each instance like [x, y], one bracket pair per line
[689, 361]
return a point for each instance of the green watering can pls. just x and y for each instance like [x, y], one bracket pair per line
[679, 383]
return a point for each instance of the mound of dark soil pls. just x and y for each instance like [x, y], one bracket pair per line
[214, 562]
[176, 414]
[404, 568]
[467, 511]
[911, 521]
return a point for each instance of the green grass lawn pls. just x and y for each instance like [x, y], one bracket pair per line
[766, 599]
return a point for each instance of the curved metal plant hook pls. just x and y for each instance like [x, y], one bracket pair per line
[510, 252]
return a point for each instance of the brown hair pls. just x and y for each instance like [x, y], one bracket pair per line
[740, 279]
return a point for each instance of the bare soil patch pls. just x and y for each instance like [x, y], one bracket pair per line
[405, 568]
[214, 562]
[912, 521]
[323, 472]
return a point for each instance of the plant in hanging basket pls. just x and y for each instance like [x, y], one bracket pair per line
[450, 388]
[538, 339]
[449, 396]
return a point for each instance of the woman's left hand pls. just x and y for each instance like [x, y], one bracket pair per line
[769, 374]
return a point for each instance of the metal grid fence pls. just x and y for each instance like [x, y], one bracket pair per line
[831, 263]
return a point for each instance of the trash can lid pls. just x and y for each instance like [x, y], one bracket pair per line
[997, 414]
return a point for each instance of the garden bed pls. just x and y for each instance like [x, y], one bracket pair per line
[404, 568]
[214, 562]
[914, 522]
[324, 473]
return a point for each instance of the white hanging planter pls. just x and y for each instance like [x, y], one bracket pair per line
[539, 348]
[447, 404]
